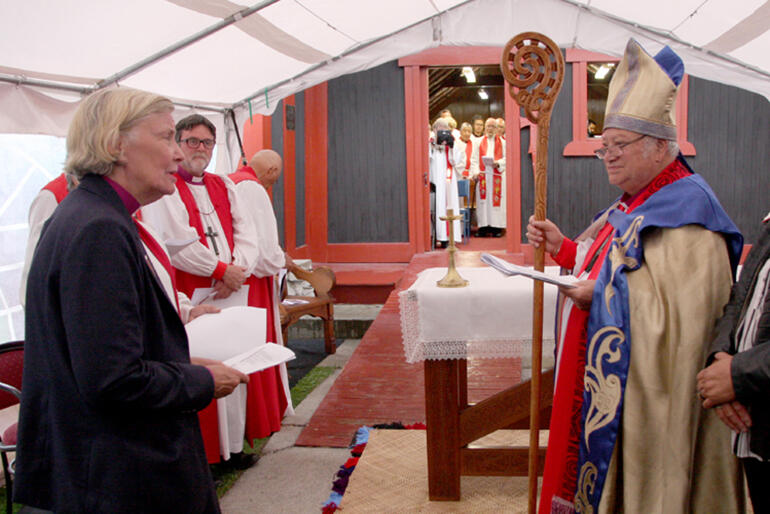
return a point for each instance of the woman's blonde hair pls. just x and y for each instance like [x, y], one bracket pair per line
[92, 139]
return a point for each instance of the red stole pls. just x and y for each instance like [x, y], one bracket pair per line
[159, 254]
[244, 173]
[468, 153]
[217, 191]
[560, 475]
[265, 399]
[497, 179]
[58, 187]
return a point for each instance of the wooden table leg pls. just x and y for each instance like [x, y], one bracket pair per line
[462, 377]
[442, 414]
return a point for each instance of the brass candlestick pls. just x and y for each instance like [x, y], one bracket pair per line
[452, 277]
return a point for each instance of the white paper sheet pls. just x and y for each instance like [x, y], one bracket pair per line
[228, 333]
[263, 357]
[508, 268]
[240, 298]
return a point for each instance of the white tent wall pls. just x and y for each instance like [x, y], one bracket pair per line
[213, 55]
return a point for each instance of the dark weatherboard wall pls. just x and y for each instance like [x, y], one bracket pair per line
[730, 129]
[367, 157]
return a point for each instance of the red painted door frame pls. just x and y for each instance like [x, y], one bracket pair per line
[316, 199]
[256, 136]
[416, 104]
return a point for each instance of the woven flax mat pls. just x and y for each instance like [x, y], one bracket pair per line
[392, 476]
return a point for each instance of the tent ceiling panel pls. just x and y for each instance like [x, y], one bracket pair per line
[754, 51]
[364, 21]
[237, 63]
[286, 46]
[716, 18]
[94, 38]
[309, 27]
[642, 13]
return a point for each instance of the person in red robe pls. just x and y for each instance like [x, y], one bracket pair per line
[40, 210]
[252, 183]
[204, 206]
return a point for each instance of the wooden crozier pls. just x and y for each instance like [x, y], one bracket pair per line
[534, 67]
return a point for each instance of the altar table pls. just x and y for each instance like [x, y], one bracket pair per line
[490, 318]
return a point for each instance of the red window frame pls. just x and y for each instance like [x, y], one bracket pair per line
[582, 145]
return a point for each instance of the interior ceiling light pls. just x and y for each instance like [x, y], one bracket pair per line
[483, 94]
[601, 72]
[470, 77]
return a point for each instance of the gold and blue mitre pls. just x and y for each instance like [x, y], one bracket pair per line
[642, 96]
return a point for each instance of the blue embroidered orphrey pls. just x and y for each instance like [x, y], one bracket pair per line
[685, 202]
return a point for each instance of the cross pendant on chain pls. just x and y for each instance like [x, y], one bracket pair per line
[212, 235]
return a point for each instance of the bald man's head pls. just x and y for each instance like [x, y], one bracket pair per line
[267, 164]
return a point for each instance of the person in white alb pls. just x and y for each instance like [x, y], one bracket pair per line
[443, 177]
[205, 206]
[251, 184]
[40, 210]
[463, 152]
[490, 186]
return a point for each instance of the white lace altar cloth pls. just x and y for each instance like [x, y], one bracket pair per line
[490, 318]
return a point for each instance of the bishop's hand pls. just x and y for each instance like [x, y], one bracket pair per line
[581, 294]
[539, 232]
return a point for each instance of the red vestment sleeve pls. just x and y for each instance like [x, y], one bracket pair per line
[565, 257]
[219, 271]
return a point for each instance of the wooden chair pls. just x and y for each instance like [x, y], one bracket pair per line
[321, 305]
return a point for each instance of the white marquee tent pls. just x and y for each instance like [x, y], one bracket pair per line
[217, 56]
[214, 55]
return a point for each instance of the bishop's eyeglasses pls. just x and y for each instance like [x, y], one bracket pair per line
[602, 152]
[194, 142]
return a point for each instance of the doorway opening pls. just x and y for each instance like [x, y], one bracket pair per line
[471, 94]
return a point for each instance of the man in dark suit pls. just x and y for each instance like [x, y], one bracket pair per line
[737, 381]
[108, 413]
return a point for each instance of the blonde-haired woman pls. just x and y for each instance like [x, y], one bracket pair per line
[108, 417]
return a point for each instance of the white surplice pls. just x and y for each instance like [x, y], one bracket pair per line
[461, 162]
[486, 213]
[169, 217]
[39, 211]
[442, 176]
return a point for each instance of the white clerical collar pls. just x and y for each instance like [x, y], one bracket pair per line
[189, 177]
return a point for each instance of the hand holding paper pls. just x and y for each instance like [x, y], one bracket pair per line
[235, 336]
[226, 378]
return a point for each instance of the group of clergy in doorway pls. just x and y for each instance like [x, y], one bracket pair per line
[467, 175]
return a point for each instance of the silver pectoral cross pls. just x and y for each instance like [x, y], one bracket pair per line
[212, 235]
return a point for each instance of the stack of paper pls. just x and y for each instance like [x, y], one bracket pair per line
[508, 268]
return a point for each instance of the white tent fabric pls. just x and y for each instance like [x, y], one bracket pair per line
[213, 55]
